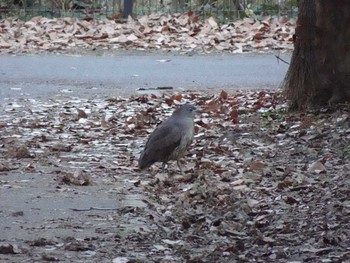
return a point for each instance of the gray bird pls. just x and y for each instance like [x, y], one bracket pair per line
[170, 140]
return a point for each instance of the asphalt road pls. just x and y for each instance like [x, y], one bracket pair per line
[91, 76]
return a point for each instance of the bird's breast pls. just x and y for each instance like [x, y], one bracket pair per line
[186, 140]
[187, 137]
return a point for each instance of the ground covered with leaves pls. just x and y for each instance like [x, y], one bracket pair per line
[184, 33]
[260, 184]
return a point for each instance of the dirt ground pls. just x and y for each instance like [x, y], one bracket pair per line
[260, 185]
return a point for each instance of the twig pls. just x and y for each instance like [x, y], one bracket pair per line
[279, 58]
[157, 88]
[93, 208]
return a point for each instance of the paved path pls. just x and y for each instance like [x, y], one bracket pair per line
[90, 76]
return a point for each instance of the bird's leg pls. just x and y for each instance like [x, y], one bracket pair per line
[163, 166]
[179, 165]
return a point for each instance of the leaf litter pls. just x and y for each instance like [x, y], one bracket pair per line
[185, 33]
[261, 183]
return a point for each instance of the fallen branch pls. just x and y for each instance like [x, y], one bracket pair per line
[279, 58]
[93, 208]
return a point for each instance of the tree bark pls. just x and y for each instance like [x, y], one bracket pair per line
[320, 67]
[301, 79]
[128, 5]
[333, 49]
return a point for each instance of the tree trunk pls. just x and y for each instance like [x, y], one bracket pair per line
[319, 73]
[128, 5]
[178, 6]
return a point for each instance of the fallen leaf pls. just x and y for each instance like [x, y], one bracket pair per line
[317, 167]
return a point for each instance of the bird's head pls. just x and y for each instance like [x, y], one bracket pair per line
[187, 110]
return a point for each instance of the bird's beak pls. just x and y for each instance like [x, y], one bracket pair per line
[198, 111]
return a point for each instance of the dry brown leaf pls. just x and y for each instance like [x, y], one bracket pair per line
[223, 95]
[317, 167]
[81, 114]
[256, 166]
[19, 152]
[78, 178]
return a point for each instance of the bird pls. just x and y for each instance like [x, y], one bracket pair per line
[170, 139]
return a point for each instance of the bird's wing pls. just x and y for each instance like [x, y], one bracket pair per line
[163, 143]
[164, 140]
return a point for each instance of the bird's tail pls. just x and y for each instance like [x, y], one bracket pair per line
[145, 161]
